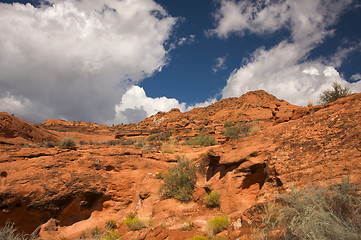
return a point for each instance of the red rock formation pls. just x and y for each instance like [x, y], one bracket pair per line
[73, 191]
[14, 130]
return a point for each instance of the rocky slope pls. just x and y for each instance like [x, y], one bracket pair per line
[70, 192]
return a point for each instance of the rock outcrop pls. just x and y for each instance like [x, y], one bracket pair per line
[70, 192]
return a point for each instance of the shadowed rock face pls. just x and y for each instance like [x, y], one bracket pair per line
[12, 128]
[68, 192]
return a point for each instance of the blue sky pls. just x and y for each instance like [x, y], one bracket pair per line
[111, 61]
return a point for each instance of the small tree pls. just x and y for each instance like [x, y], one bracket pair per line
[337, 92]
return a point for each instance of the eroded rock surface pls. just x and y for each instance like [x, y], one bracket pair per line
[70, 192]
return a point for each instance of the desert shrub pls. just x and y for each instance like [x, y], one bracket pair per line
[180, 181]
[127, 142]
[337, 92]
[82, 142]
[67, 143]
[9, 232]
[212, 199]
[95, 232]
[164, 136]
[270, 213]
[111, 224]
[332, 212]
[245, 127]
[94, 143]
[134, 223]
[217, 225]
[48, 144]
[168, 134]
[169, 147]
[151, 138]
[254, 129]
[28, 145]
[198, 238]
[114, 235]
[83, 235]
[140, 142]
[112, 142]
[202, 140]
[229, 124]
[232, 132]
[249, 129]
[163, 225]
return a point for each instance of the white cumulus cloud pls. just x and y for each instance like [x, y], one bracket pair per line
[284, 70]
[77, 58]
[136, 105]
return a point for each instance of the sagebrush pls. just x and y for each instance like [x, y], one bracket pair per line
[180, 180]
[67, 143]
[9, 232]
[330, 212]
[332, 95]
[202, 140]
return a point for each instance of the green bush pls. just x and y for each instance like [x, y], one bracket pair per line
[212, 199]
[151, 138]
[232, 132]
[249, 129]
[198, 238]
[48, 144]
[134, 223]
[217, 225]
[140, 142]
[164, 136]
[332, 212]
[114, 235]
[337, 92]
[111, 224]
[202, 140]
[180, 181]
[96, 233]
[229, 124]
[67, 143]
[9, 232]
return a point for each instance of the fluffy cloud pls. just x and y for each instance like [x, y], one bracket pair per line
[135, 106]
[75, 59]
[284, 69]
